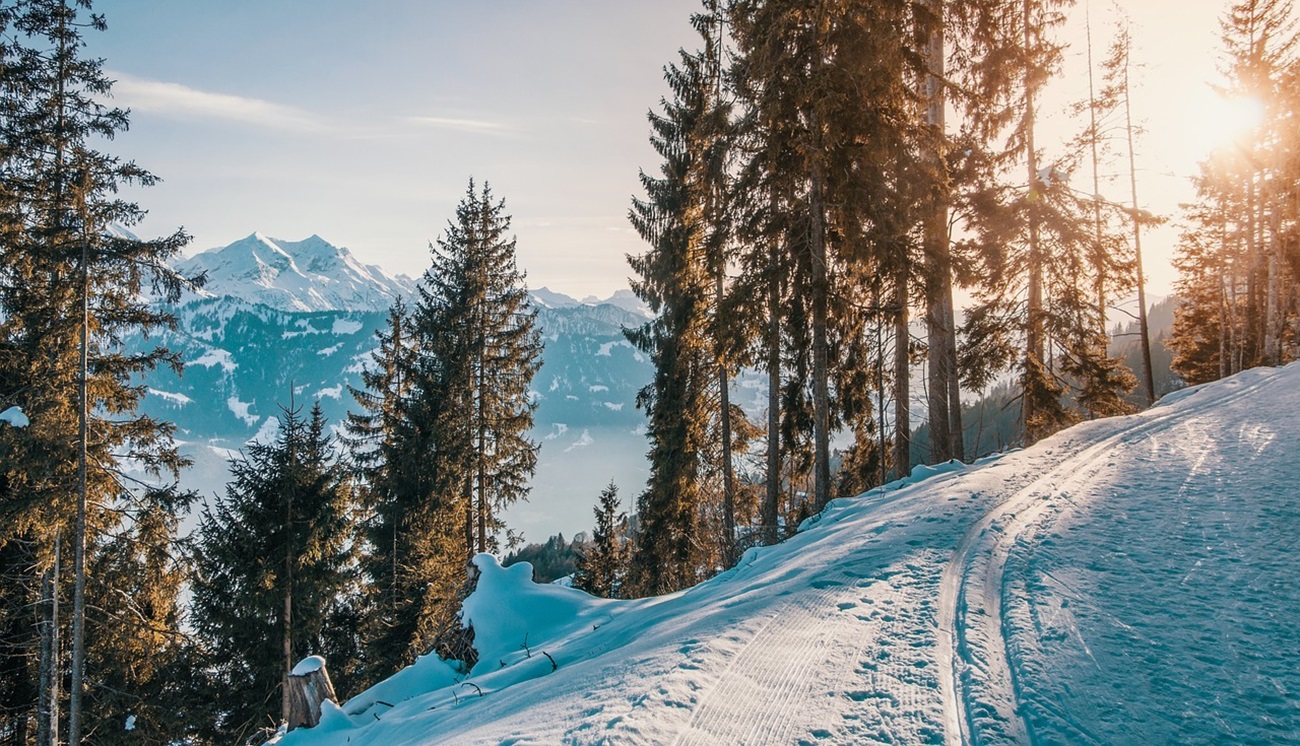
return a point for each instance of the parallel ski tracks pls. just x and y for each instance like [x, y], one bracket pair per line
[977, 679]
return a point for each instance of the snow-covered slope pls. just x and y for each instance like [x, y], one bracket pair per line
[307, 275]
[1130, 580]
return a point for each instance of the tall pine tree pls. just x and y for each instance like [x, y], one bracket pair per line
[70, 291]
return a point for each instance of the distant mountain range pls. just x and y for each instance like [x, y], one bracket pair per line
[307, 275]
[293, 322]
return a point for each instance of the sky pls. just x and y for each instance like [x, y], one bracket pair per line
[363, 122]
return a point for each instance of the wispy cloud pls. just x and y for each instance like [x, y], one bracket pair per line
[184, 102]
[464, 125]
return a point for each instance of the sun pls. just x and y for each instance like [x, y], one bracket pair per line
[1226, 122]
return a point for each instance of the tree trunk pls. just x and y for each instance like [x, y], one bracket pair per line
[286, 641]
[1034, 308]
[902, 371]
[308, 686]
[1273, 293]
[1148, 377]
[47, 727]
[772, 496]
[940, 318]
[728, 476]
[820, 301]
[79, 537]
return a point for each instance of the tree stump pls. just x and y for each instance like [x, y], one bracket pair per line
[309, 685]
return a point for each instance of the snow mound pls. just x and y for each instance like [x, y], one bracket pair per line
[514, 618]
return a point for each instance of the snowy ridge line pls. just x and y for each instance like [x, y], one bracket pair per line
[980, 561]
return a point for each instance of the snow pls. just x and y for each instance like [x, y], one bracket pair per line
[333, 392]
[1130, 580]
[583, 441]
[14, 416]
[307, 275]
[308, 665]
[171, 397]
[267, 432]
[213, 357]
[345, 327]
[241, 409]
[607, 348]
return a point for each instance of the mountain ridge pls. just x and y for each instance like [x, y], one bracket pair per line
[313, 274]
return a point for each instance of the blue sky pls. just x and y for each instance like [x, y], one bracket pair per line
[363, 121]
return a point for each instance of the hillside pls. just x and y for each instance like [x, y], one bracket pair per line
[1125, 581]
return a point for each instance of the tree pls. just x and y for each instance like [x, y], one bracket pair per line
[477, 349]
[70, 290]
[274, 572]
[1236, 256]
[413, 557]
[676, 276]
[602, 567]
[944, 389]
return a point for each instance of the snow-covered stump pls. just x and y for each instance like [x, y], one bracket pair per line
[309, 685]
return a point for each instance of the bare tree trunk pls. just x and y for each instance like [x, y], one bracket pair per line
[308, 686]
[1098, 252]
[480, 454]
[1273, 293]
[772, 496]
[1253, 335]
[79, 537]
[286, 642]
[1148, 377]
[728, 472]
[943, 396]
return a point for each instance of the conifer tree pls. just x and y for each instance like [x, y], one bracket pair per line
[477, 350]
[1236, 268]
[831, 89]
[274, 574]
[677, 278]
[414, 554]
[602, 566]
[70, 290]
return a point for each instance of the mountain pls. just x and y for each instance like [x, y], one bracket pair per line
[307, 275]
[624, 299]
[1128, 580]
[246, 360]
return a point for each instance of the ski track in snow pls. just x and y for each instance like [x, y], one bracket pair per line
[984, 697]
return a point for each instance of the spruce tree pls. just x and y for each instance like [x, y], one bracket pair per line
[677, 278]
[70, 291]
[274, 574]
[477, 350]
[602, 566]
[1243, 222]
[414, 554]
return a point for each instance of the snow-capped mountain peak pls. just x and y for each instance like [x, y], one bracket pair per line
[307, 275]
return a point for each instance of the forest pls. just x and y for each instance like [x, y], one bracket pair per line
[854, 200]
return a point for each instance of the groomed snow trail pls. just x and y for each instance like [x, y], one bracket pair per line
[1127, 581]
[988, 699]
